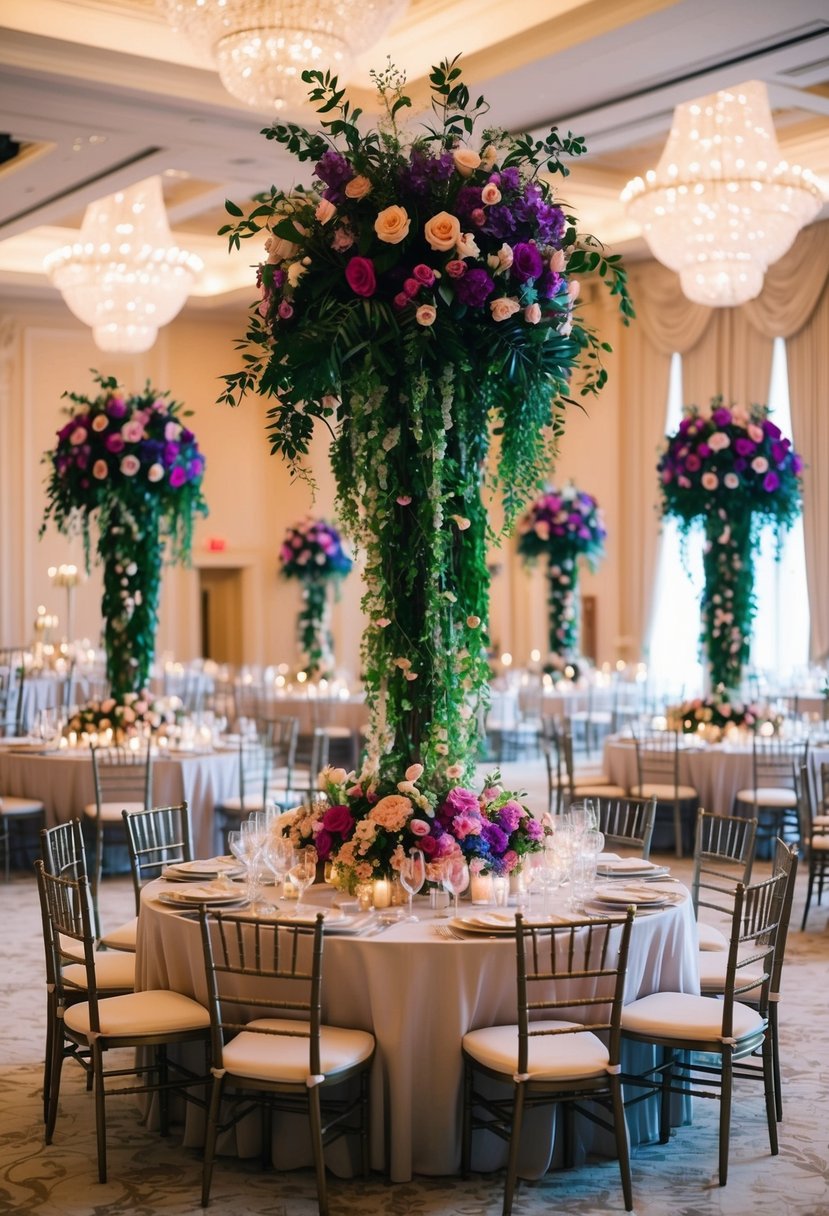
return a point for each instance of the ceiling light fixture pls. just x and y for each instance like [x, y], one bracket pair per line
[125, 277]
[262, 47]
[721, 205]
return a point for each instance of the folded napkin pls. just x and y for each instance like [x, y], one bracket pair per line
[206, 892]
[622, 865]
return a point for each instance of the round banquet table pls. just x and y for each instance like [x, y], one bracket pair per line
[62, 781]
[419, 993]
[717, 771]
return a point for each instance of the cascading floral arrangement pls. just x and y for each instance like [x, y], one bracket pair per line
[420, 297]
[132, 462]
[368, 837]
[563, 526]
[312, 552]
[732, 469]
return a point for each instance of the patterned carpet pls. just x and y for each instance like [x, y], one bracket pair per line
[152, 1176]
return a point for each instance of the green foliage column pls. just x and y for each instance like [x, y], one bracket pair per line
[728, 605]
[130, 554]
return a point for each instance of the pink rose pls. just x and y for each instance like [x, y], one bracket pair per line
[338, 819]
[132, 431]
[490, 194]
[78, 436]
[401, 300]
[360, 276]
[130, 465]
[100, 469]
[285, 310]
[325, 211]
[503, 308]
[419, 827]
[558, 262]
[456, 269]
[532, 314]
[424, 274]
[343, 239]
[411, 287]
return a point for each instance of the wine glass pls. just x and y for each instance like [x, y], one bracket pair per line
[244, 847]
[303, 872]
[455, 877]
[277, 855]
[413, 876]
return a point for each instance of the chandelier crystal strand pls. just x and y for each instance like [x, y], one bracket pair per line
[125, 277]
[721, 205]
[262, 47]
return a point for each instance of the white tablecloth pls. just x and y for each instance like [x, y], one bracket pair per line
[63, 782]
[419, 994]
[312, 712]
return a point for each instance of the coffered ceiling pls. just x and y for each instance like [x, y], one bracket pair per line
[101, 93]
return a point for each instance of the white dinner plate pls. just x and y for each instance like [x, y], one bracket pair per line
[307, 916]
[193, 894]
[630, 867]
[634, 893]
[504, 922]
[210, 867]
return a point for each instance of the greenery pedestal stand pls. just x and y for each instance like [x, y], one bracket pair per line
[728, 605]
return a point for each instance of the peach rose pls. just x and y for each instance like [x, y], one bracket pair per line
[532, 314]
[442, 232]
[503, 308]
[466, 161]
[489, 156]
[392, 225]
[490, 194]
[358, 187]
[426, 314]
[558, 261]
[467, 246]
[325, 210]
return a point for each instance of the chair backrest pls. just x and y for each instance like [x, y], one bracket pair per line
[755, 924]
[573, 973]
[723, 856]
[317, 760]
[12, 680]
[627, 823]
[776, 763]
[557, 749]
[657, 757]
[66, 913]
[281, 965]
[156, 838]
[123, 774]
[283, 735]
[62, 850]
[254, 772]
[785, 863]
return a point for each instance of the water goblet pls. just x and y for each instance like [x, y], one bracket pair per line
[302, 872]
[455, 877]
[412, 876]
[244, 848]
[277, 855]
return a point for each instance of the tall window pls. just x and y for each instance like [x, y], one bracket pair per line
[780, 644]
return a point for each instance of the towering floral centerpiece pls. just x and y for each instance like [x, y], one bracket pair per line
[132, 462]
[563, 526]
[730, 468]
[313, 553]
[419, 296]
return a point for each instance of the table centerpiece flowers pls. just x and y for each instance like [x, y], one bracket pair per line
[367, 836]
[420, 297]
[729, 467]
[131, 462]
[110, 721]
[563, 526]
[312, 552]
[715, 716]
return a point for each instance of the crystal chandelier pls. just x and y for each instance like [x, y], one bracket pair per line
[262, 47]
[721, 205]
[125, 277]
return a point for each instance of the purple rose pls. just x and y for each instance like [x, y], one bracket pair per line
[474, 288]
[722, 416]
[779, 450]
[338, 819]
[360, 276]
[171, 451]
[770, 482]
[771, 430]
[116, 407]
[744, 447]
[177, 477]
[526, 262]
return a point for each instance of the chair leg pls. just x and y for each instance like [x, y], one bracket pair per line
[678, 829]
[365, 1126]
[725, 1111]
[55, 1069]
[514, 1145]
[466, 1128]
[775, 1061]
[809, 889]
[665, 1098]
[211, 1132]
[622, 1146]
[315, 1117]
[163, 1094]
[97, 1058]
[51, 1014]
[768, 1081]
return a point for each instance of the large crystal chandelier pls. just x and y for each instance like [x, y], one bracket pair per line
[125, 276]
[721, 205]
[262, 47]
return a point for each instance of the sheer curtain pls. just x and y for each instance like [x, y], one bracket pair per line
[780, 643]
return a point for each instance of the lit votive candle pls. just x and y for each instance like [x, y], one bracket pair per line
[382, 893]
[480, 888]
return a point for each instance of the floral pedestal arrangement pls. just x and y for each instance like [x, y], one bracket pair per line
[730, 468]
[715, 717]
[421, 296]
[563, 525]
[312, 552]
[132, 462]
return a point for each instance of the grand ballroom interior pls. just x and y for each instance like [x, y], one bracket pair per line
[99, 96]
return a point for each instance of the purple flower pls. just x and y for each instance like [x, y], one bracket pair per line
[549, 285]
[771, 481]
[116, 407]
[510, 815]
[743, 447]
[510, 178]
[333, 169]
[114, 443]
[458, 801]
[526, 262]
[535, 831]
[468, 200]
[474, 288]
[495, 837]
[171, 451]
[779, 449]
[771, 430]
[722, 416]
[177, 477]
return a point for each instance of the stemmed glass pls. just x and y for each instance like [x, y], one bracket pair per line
[244, 847]
[413, 876]
[277, 855]
[303, 872]
[455, 877]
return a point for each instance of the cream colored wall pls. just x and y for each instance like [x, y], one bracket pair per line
[44, 351]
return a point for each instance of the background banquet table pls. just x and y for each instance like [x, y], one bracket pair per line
[62, 781]
[716, 771]
[419, 994]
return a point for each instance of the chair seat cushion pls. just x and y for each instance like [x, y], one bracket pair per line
[819, 843]
[681, 1015]
[122, 938]
[664, 793]
[713, 965]
[768, 796]
[272, 1057]
[141, 1013]
[111, 811]
[711, 938]
[13, 805]
[562, 1057]
[596, 789]
[233, 804]
[112, 970]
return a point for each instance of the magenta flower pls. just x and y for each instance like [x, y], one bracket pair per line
[360, 276]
